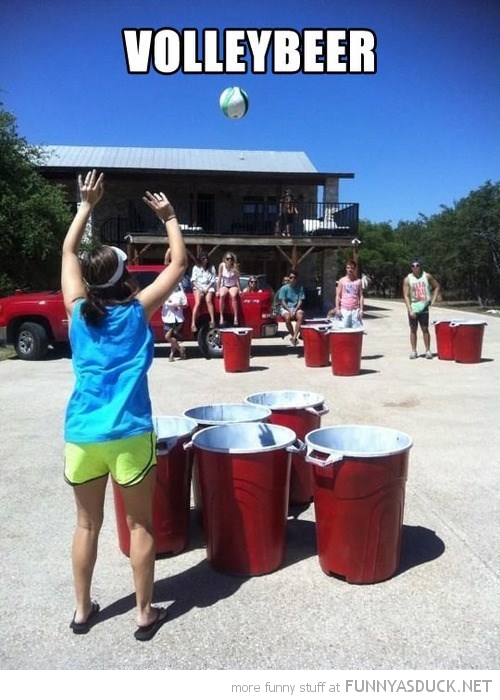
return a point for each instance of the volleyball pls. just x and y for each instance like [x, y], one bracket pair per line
[234, 102]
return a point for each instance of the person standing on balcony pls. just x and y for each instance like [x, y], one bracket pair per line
[420, 290]
[349, 299]
[288, 212]
[228, 284]
[203, 279]
[291, 298]
[108, 426]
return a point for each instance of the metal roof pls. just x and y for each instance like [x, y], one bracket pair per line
[179, 159]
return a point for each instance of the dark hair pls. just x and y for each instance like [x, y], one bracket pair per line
[98, 265]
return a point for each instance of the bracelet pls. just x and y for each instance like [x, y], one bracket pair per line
[174, 216]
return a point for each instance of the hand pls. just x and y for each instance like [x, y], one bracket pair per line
[92, 188]
[160, 205]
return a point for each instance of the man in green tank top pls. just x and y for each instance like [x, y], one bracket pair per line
[420, 290]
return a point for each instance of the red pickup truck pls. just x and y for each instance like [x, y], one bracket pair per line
[33, 322]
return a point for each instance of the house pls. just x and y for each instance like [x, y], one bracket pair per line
[224, 199]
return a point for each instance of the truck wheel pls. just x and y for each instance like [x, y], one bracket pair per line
[209, 342]
[31, 342]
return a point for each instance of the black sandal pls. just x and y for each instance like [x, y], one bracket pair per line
[144, 634]
[84, 627]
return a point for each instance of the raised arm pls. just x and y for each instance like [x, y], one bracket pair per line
[72, 284]
[153, 296]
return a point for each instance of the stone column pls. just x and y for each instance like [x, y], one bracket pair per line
[331, 190]
[330, 276]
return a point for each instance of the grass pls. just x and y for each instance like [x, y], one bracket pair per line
[6, 352]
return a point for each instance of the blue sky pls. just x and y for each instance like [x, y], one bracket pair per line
[420, 133]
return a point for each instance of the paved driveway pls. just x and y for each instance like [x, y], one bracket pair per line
[439, 612]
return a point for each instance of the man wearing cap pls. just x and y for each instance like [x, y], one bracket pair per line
[420, 290]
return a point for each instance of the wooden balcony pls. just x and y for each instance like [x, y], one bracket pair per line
[317, 225]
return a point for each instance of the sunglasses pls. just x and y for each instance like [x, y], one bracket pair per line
[416, 265]
[230, 259]
[252, 281]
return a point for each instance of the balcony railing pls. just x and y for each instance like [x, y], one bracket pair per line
[326, 219]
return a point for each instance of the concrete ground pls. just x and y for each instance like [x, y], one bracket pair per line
[440, 610]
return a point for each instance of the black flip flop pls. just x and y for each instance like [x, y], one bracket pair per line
[84, 627]
[144, 634]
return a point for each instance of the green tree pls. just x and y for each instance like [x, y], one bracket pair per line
[383, 256]
[33, 214]
[461, 246]
[478, 228]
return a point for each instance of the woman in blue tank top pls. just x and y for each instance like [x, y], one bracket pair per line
[108, 426]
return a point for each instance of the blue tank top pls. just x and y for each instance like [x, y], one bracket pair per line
[110, 399]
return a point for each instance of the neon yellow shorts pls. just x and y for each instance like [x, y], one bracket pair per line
[127, 460]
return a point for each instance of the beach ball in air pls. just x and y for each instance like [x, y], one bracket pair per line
[234, 102]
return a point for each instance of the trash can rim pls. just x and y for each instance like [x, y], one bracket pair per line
[346, 330]
[288, 437]
[309, 440]
[447, 320]
[314, 400]
[235, 329]
[191, 426]
[265, 413]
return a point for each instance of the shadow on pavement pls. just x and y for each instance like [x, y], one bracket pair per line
[201, 586]
[419, 545]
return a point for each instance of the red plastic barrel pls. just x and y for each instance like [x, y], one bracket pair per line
[172, 492]
[244, 471]
[236, 344]
[468, 341]
[359, 493]
[345, 350]
[316, 345]
[444, 340]
[300, 411]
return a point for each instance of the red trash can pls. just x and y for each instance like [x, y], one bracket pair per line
[220, 414]
[444, 340]
[359, 493]
[244, 471]
[468, 341]
[345, 350]
[171, 504]
[316, 345]
[236, 344]
[300, 411]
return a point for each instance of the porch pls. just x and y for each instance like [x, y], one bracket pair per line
[255, 217]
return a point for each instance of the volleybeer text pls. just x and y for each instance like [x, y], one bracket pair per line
[238, 51]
